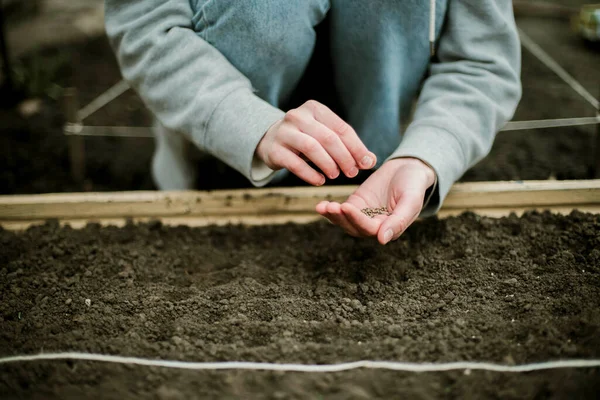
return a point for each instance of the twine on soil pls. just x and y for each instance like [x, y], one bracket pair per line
[244, 365]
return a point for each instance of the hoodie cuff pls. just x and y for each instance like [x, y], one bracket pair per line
[442, 151]
[234, 130]
[259, 171]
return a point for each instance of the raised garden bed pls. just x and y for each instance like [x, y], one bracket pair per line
[510, 290]
[520, 289]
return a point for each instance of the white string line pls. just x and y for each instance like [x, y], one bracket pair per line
[110, 131]
[243, 365]
[146, 132]
[550, 123]
[102, 100]
[549, 62]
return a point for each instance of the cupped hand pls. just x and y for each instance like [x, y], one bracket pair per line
[314, 132]
[399, 186]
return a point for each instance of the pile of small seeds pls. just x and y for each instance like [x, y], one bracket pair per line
[372, 212]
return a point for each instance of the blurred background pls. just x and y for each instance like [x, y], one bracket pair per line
[52, 45]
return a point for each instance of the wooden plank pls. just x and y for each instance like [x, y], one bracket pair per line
[195, 221]
[523, 193]
[277, 205]
[596, 151]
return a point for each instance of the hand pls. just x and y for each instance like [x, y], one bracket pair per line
[316, 133]
[399, 185]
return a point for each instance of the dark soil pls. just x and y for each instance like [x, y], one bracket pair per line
[559, 153]
[33, 151]
[512, 290]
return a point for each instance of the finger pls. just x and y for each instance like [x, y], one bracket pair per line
[335, 215]
[358, 151]
[321, 208]
[363, 224]
[289, 160]
[405, 213]
[332, 144]
[303, 118]
[312, 149]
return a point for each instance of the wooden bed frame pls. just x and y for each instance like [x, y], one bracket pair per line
[280, 205]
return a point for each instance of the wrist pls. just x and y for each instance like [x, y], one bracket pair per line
[261, 151]
[428, 171]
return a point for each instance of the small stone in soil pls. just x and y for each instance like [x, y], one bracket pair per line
[372, 212]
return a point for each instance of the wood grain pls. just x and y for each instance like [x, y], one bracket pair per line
[280, 205]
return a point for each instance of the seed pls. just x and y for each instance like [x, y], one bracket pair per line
[372, 212]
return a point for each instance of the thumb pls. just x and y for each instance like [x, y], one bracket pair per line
[408, 208]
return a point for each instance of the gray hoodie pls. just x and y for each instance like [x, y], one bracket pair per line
[471, 92]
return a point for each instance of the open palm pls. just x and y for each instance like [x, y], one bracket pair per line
[399, 186]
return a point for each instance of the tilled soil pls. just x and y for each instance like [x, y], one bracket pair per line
[511, 290]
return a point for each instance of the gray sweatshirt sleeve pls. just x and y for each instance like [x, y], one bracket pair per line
[470, 94]
[197, 92]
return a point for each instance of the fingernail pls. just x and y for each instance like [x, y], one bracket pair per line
[322, 181]
[366, 162]
[387, 236]
[353, 172]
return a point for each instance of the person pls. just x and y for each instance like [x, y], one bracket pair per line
[221, 74]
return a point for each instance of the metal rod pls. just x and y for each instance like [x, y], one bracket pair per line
[549, 62]
[76, 142]
[77, 129]
[102, 100]
[550, 123]
[110, 131]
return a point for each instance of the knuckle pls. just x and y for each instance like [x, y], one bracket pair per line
[309, 145]
[275, 157]
[401, 225]
[293, 116]
[329, 139]
[342, 128]
[312, 105]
